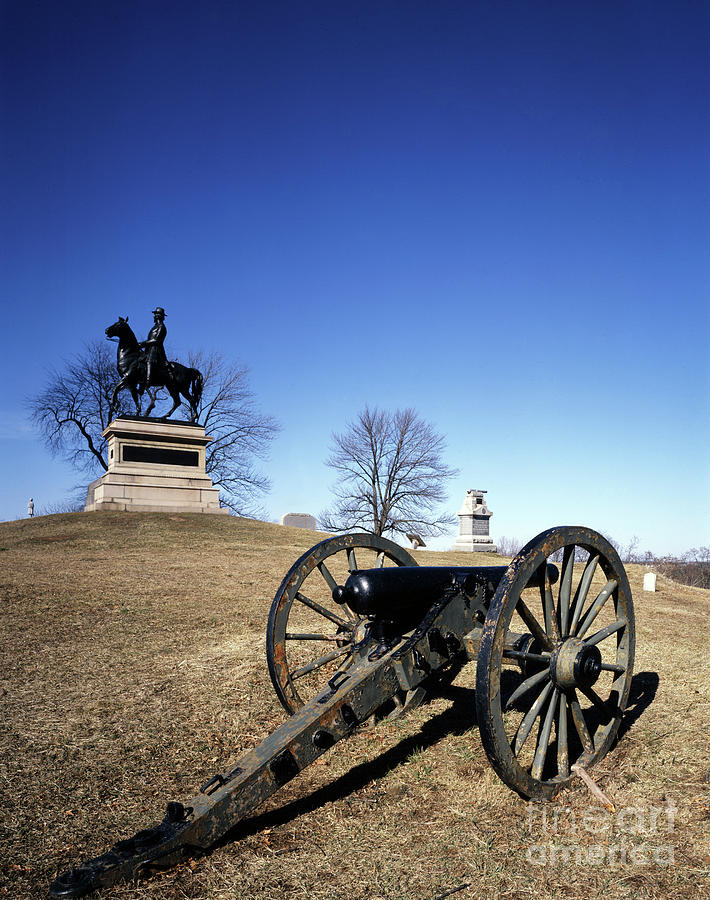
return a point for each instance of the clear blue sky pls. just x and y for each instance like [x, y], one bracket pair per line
[494, 212]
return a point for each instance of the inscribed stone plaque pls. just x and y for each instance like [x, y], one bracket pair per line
[163, 456]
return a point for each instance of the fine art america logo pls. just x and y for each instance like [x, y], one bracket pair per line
[632, 836]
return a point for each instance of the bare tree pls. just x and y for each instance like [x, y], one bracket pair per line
[240, 433]
[391, 475]
[73, 502]
[73, 410]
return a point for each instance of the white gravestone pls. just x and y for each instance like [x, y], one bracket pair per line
[649, 582]
[299, 520]
[474, 516]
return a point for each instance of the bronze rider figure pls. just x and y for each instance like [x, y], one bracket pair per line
[156, 362]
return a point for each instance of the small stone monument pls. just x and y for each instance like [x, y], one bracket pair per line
[474, 516]
[299, 520]
[416, 541]
[649, 581]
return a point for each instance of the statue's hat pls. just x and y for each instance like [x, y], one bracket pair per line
[160, 310]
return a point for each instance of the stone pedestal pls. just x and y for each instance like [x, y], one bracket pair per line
[474, 516]
[154, 466]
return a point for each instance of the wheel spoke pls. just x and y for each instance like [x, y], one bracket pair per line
[329, 580]
[548, 606]
[583, 589]
[318, 663]
[544, 738]
[579, 723]
[603, 705]
[606, 632]
[315, 636]
[529, 718]
[562, 744]
[596, 607]
[332, 584]
[352, 562]
[379, 564]
[566, 587]
[525, 686]
[316, 607]
[537, 631]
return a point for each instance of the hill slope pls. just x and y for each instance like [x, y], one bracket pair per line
[133, 670]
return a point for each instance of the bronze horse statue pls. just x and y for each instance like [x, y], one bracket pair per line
[131, 364]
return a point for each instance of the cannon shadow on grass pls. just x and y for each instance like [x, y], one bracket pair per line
[457, 719]
[642, 693]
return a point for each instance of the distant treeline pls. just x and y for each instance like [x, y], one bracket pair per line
[696, 574]
[691, 567]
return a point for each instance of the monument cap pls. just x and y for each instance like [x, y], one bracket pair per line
[159, 309]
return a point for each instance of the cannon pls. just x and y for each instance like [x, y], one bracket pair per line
[358, 632]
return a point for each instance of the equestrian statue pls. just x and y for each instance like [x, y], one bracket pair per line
[143, 365]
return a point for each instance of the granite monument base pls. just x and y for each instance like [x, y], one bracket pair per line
[470, 543]
[154, 466]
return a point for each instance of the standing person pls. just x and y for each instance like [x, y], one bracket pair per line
[156, 362]
[31, 508]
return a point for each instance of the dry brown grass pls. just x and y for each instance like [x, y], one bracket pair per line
[133, 670]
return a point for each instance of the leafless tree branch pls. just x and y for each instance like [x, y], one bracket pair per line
[391, 475]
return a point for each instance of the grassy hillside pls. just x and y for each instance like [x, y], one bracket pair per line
[134, 669]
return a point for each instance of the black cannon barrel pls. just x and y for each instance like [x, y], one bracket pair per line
[403, 594]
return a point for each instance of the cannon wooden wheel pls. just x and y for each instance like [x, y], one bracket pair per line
[566, 702]
[309, 636]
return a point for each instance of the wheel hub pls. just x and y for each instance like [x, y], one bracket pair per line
[575, 663]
